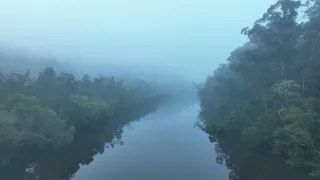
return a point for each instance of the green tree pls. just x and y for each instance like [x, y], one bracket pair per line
[10, 137]
[269, 91]
[39, 125]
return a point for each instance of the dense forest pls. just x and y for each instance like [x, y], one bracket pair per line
[51, 164]
[49, 112]
[269, 90]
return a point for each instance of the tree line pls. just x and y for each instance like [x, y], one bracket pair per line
[47, 111]
[63, 163]
[269, 88]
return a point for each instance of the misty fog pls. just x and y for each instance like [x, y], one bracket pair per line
[159, 89]
[160, 37]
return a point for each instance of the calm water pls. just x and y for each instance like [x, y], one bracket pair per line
[162, 144]
[165, 145]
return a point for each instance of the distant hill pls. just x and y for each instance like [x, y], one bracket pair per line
[20, 60]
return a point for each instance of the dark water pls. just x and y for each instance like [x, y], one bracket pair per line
[165, 145]
[162, 144]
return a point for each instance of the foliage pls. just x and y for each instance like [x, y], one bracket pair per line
[83, 109]
[47, 112]
[39, 125]
[269, 89]
[66, 161]
[10, 137]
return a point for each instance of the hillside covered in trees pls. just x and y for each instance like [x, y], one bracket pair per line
[269, 89]
[49, 112]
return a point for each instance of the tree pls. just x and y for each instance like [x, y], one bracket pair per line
[269, 91]
[10, 137]
[46, 113]
[39, 125]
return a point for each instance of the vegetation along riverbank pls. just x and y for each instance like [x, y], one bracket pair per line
[49, 111]
[269, 89]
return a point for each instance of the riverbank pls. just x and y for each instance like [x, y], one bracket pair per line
[153, 141]
[268, 89]
[89, 142]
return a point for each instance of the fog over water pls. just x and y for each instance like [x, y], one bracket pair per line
[125, 89]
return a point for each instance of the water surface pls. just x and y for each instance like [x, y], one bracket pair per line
[165, 145]
[148, 142]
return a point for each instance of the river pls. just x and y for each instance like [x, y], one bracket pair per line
[165, 145]
[148, 142]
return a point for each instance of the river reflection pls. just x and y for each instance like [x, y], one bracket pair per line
[165, 145]
[245, 163]
[63, 164]
[162, 145]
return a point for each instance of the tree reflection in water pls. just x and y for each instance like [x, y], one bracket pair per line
[90, 141]
[245, 163]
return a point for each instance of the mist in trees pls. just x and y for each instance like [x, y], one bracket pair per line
[106, 65]
[268, 91]
[46, 112]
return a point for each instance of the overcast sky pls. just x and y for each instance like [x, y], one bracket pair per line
[190, 37]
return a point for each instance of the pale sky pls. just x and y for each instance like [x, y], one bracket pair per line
[190, 37]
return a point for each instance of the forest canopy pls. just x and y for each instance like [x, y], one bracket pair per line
[47, 111]
[269, 88]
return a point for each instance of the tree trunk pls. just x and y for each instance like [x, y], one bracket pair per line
[60, 111]
[303, 86]
[266, 108]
